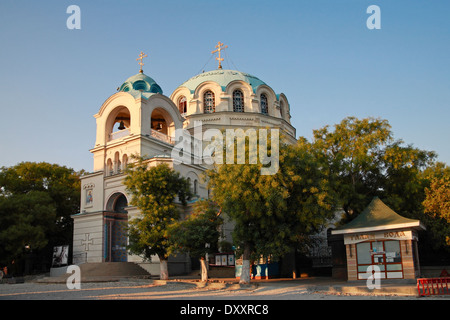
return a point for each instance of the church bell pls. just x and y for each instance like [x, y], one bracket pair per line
[121, 125]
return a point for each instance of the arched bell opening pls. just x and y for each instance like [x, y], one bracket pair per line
[162, 122]
[118, 123]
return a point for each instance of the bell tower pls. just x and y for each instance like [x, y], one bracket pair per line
[137, 120]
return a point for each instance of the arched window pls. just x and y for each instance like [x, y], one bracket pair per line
[121, 204]
[238, 101]
[208, 102]
[264, 106]
[109, 168]
[124, 162]
[182, 104]
[195, 187]
[281, 108]
[117, 203]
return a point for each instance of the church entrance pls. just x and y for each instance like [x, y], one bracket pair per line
[115, 223]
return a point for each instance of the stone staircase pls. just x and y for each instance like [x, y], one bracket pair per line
[112, 269]
[104, 272]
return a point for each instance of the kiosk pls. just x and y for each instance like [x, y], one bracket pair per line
[380, 239]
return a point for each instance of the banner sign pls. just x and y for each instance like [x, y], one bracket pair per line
[384, 235]
[60, 256]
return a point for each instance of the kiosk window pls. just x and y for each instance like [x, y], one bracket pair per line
[363, 253]
[377, 247]
[392, 251]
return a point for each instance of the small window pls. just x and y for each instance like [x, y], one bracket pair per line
[238, 101]
[140, 86]
[363, 253]
[124, 162]
[392, 249]
[182, 104]
[264, 106]
[195, 187]
[208, 102]
[109, 168]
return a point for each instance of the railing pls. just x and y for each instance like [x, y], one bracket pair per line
[119, 134]
[161, 136]
[153, 133]
[433, 286]
[322, 261]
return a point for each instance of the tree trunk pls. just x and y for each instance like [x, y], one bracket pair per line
[294, 266]
[204, 269]
[245, 274]
[163, 269]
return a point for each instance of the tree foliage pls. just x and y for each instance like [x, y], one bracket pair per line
[198, 234]
[154, 190]
[198, 229]
[363, 160]
[437, 198]
[36, 202]
[273, 213]
[353, 154]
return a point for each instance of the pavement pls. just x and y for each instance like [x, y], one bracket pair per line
[325, 285]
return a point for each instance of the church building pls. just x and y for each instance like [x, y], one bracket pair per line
[140, 120]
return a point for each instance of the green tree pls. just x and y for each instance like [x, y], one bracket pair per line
[154, 190]
[312, 200]
[36, 202]
[272, 213]
[26, 221]
[353, 153]
[437, 199]
[403, 182]
[363, 160]
[198, 234]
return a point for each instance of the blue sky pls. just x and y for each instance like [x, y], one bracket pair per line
[319, 53]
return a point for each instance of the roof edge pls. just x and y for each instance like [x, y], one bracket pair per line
[415, 224]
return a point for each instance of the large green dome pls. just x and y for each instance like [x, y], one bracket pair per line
[223, 78]
[140, 83]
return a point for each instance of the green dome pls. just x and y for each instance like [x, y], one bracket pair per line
[223, 78]
[140, 84]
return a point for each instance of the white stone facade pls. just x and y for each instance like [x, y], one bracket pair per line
[148, 120]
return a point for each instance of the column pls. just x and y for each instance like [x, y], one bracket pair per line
[352, 272]
[407, 259]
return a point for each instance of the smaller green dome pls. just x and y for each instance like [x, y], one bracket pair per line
[223, 78]
[141, 83]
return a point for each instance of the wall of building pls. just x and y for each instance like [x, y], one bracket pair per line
[406, 246]
[88, 237]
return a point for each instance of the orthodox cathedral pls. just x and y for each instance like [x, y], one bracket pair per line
[140, 120]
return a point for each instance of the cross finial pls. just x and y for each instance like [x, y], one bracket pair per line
[219, 47]
[141, 57]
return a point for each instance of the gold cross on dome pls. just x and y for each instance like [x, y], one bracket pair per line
[141, 57]
[219, 47]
